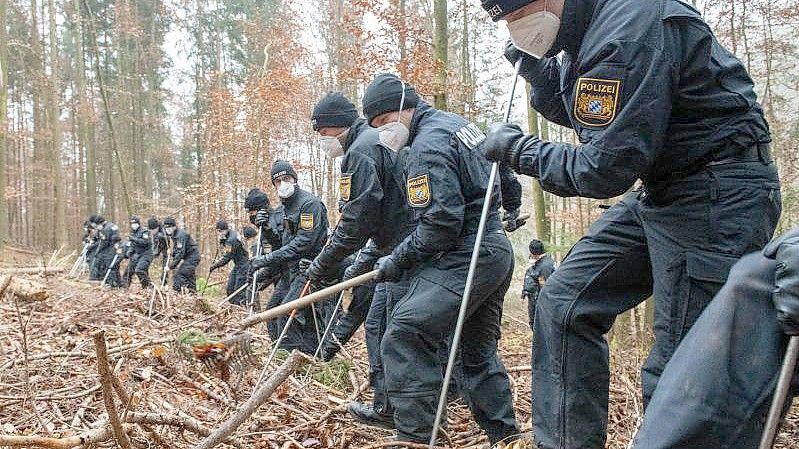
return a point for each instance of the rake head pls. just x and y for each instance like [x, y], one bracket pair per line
[233, 354]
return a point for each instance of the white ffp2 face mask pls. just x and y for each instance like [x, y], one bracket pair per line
[395, 135]
[331, 146]
[285, 189]
[535, 33]
[134, 226]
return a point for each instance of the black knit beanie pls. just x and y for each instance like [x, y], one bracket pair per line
[221, 225]
[152, 223]
[256, 199]
[497, 9]
[384, 94]
[169, 221]
[536, 247]
[249, 232]
[334, 110]
[280, 168]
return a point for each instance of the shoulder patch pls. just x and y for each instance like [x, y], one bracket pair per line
[470, 135]
[306, 222]
[419, 191]
[596, 101]
[345, 187]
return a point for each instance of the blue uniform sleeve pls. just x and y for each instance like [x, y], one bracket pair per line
[435, 194]
[361, 195]
[623, 106]
[312, 223]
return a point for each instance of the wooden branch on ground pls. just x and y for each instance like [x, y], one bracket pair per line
[258, 397]
[5, 281]
[92, 436]
[24, 289]
[108, 389]
[33, 270]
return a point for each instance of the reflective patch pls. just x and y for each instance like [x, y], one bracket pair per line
[306, 222]
[419, 191]
[596, 100]
[470, 135]
[345, 187]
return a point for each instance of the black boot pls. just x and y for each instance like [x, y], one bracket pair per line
[366, 414]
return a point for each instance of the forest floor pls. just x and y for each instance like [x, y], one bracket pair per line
[49, 376]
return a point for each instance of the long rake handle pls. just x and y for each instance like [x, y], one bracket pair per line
[305, 301]
[780, 393]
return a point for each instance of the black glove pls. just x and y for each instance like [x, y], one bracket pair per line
[304, 263]
[512, 221]
[389, 270]
[172, 266]
[786, 293]
[499, 143]
[314, 271]
[259, 262]
[352, 271]
[531, 66]
[261, 217]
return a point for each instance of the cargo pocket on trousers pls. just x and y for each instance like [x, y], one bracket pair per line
[706, 272]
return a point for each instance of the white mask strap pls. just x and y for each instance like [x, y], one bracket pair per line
[402, 100]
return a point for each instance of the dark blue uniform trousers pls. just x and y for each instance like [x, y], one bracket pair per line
[676, 243]
[424, 319]
[717, 388]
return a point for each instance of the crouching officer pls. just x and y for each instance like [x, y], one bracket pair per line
[141, 253]
[447, 178]
[653, 96]
[541, 267]
[731, 358]
[184, 257]
[304, 234]
[235, 251]
[270, 221]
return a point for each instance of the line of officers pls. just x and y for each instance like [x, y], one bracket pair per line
[104, 250]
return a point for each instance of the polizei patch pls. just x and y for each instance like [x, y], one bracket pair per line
[596, 100]
[419, 191]
[345, 187]
[306, 222]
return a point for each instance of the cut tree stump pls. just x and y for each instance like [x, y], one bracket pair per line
[24, 288]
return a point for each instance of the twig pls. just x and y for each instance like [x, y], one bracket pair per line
[258, 397]
[23, 328]
[108, 392]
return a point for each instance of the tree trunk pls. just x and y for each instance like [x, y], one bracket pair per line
[56, 178]
[3, 123]
[539, 203]
[440, 53]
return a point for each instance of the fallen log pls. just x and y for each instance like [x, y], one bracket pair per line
[25, 289]
[33, 270]
[258, 397]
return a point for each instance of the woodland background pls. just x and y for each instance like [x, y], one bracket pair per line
[179, 107]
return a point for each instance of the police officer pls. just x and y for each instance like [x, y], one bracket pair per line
[446, 185]
[106, 258]
[159, 243]
[92, 239]
[652, 95]
[270, 221]
[141, 253]
[372, 205]
[541, 267]
[184, 257]
[235, 251]
[304, 234]
[716, 390]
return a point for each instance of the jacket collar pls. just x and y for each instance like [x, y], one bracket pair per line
[576, 18]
